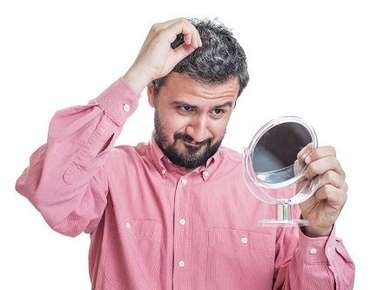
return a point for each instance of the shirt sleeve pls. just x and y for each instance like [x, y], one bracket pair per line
[66, 180]
[311, 263]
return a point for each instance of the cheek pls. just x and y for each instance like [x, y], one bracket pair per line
[217, 135]
[173, 124]
[218, 129]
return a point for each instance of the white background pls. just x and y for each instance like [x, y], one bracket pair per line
[315, 59]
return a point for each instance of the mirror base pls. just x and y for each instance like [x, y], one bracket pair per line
[283, 223]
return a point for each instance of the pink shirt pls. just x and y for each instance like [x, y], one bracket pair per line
[153, 226]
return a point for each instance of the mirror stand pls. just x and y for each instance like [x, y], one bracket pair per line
[284, 217]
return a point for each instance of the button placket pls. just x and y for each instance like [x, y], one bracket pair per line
[180, 230]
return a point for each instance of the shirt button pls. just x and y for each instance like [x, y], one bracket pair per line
[205, 173]
[313, 251]
[184, 181]
[126, 107]
[244, 240]
[182, 221]
[128, 225]
[164, 171]
[181, 264]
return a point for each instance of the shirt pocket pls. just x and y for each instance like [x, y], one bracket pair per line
[240, 259]
[138, 250]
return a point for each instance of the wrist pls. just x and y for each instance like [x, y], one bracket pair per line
[137, 79]
[313, 232]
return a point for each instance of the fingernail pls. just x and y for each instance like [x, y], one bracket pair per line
[308, 159]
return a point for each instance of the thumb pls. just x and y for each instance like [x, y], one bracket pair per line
[182, 51]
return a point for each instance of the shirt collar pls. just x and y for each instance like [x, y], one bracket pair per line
[164, 165]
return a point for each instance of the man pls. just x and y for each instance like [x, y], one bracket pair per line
[175, 213]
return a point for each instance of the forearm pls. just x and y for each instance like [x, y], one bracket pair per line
[137, 78]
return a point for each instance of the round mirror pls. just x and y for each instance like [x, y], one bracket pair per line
[271, 169]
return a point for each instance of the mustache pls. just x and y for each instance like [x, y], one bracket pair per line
[188, 138]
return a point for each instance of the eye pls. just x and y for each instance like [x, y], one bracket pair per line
[218, 112]
[186, 108]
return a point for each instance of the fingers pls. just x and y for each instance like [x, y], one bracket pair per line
[309, 152]
[305, 151]
[168, 23]
[321, 185]
[184, 26]
[323, 165]
[330, 177]
[335, 197]
[176, 26]
[298, 166]
[326, 172]
[188, 40]
[320, 152]
[183, 50]
[320, 160]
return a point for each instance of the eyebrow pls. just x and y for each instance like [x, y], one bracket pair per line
[227, 104]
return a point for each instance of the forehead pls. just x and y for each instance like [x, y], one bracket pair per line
[181, 87]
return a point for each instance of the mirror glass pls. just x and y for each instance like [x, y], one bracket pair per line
[275, 154]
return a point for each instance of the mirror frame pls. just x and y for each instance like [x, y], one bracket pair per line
[256, 138]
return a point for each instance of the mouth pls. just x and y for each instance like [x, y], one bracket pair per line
[191, 145]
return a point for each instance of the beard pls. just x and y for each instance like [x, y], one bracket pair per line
[193, 157]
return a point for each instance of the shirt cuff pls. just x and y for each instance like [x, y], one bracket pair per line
[317, 250]
[118, 101]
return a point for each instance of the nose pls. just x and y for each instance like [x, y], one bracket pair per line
[198, 129]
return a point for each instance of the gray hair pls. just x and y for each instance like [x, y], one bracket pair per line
[219, 59]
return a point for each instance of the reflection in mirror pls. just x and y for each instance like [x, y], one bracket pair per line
[274, 158]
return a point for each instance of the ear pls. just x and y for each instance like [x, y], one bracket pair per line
[151, 95]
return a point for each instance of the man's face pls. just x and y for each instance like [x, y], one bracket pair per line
[191, 118]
